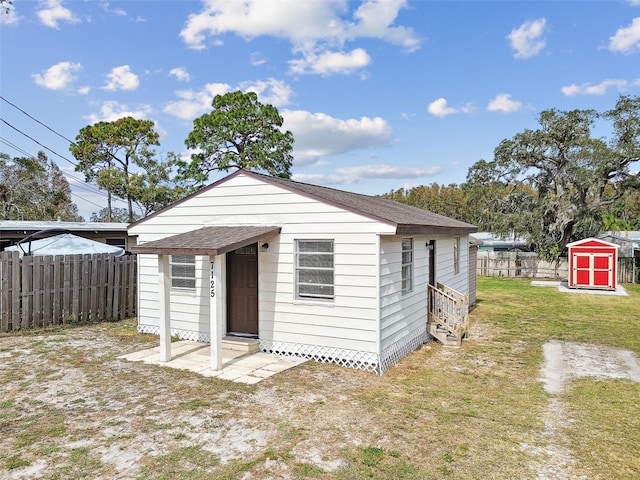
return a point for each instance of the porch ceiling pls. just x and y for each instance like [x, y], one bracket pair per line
[208, 240]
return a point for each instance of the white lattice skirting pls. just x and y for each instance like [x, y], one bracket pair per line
[340, 356]
[400, 349]
[177, 332]
[355, 359]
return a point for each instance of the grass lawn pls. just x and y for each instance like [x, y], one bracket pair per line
[69, 408]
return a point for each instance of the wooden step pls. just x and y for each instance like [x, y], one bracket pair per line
[442, 335]
[241, 344]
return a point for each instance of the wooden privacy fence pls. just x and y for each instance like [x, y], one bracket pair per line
[38, 291]
[529, 265]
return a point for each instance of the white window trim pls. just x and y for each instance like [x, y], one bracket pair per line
[310, 298]
[172, 277]
[410, 265]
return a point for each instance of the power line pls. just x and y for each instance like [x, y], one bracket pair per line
[36, 120]
[34, 140]
[82, 186]
[52, 130]
[89, 188]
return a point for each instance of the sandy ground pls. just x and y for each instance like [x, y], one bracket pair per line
[126, 413]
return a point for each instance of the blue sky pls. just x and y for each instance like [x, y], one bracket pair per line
[378, 94]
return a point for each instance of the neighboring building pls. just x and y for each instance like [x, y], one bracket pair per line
[115, 234]
[628, 241]
[490, 242]
[64, 244]
[302, 269]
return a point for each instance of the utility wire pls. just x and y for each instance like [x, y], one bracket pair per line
[34, 140]
[52, 130]
[36, 120]
[89, 188]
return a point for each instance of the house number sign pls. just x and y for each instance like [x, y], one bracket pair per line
[212, 283]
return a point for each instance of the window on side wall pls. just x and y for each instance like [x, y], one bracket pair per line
[407, 265]
[314, 269]
[456, 255]
[183, 272]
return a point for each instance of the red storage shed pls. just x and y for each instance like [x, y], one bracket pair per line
[592, 264]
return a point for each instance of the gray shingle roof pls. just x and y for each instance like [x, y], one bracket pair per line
[208, 241]
[407, 219]
[389, 211]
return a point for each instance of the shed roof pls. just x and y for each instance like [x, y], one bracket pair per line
[208, 240]
[408, 220]
[592, 242]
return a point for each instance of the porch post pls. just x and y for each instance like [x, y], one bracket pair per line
[217, 310]
[164, 311]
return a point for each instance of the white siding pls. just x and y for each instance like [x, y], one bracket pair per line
[401, 314]
[349, 322]
[444, 263]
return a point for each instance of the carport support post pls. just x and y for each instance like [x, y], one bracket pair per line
[164, 312]
[217, 313]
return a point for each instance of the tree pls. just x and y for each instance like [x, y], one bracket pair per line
[553, 183]
[117, 215]
[34, 188]
[109, 152]
[240, 132]
[448, 200]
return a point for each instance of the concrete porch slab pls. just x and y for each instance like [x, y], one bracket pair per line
[238, 366]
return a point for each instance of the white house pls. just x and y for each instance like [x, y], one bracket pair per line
[302, 269]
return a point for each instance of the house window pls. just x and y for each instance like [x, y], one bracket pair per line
[183, 272]
[456, 255]
[407, 264]
[314, 269]
[117, 242]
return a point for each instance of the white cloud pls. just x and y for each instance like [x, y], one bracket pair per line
[634, 3]
[503, 103]
[316, 30]
[180, 73]
[439, 108]
[527, 39]
[58, 76]
[598, 89]
[117, 11]
[257, 59]
[112, 110]
[319, 134]
[52, 12]
[272, 91]
[350, 175]
[626, 40]
[84, 90]
[8, 15]
[192, 103]
[121, 78]
[328, 63]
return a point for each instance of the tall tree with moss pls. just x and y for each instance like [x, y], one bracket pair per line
[552, 183]
[239, 133]
[34, 188]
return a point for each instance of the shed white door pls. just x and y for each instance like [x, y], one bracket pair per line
[593, 269]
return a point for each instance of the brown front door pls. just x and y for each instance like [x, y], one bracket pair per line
[242, 291]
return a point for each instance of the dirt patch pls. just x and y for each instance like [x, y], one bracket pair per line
[564, 361]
